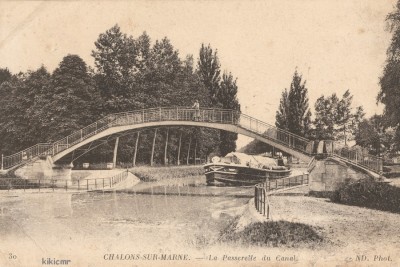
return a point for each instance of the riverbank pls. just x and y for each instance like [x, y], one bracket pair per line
[151, 174]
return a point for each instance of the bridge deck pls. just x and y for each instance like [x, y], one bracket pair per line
[228, 120]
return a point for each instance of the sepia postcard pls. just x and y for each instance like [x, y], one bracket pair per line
[200, 133]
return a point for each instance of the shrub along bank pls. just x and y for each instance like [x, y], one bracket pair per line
[272, 234]
[370, 194]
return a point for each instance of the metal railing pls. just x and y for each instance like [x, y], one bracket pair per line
[281, 136]
[262, 190]
[46, 185]
[367, 161]
[25, 155]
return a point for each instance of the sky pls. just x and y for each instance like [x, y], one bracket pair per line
[335, 45]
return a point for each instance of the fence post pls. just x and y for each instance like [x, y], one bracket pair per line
[160, 114]
[258, 200]
[2, 161]
[87, 184]
[255, 197]
[39, 185]
[66, 185]
[264, 195]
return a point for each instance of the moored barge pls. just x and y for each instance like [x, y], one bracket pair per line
[239, 169]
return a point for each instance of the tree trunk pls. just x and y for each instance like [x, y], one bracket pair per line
[115, 152]
[179, 149]
[195, 153]
[188, 154]
[166, 148]
[136, 147]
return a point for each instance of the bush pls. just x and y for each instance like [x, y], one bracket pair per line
[370, 194]
[272, 234]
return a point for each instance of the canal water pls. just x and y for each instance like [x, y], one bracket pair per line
[152, 217]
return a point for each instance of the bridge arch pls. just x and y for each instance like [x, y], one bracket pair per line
[155, 124]
[222, 119]
[228, 120]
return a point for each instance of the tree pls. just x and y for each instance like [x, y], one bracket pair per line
[19, 127]
[282, 114]
[227, 96]
[5, 75]
[209, 70]
[389, 94]
[72, 100]
[325, 116]
[114, 59]
[334, 118]
[293, 113]
[374, 134]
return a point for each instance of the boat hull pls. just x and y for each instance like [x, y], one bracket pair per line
[219, 174]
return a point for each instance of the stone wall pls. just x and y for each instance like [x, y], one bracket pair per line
[45, 169]
[329, 174]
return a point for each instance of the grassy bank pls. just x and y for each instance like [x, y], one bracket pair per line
[149, 174]
[370, 194]
[272, 234]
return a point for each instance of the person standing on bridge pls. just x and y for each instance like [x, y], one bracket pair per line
[196, 106]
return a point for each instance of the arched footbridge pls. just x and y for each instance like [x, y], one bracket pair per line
[222, 119]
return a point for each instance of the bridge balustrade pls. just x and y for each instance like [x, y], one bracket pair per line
[25, 155]
[278, 135]
[367, 161]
